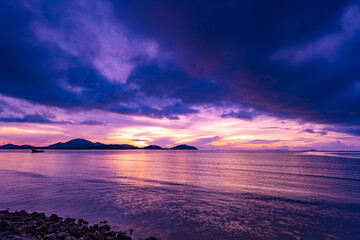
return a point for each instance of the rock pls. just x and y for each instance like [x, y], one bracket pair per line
[84, 229]
[40, 215]
[62, 235]
[112, 234]
[92, 230]
[122, 236]
[14, 232]
[4, 226]
[40, 235]
[69, 238]
[23, 213]
[184, 147]
[151, 238]
[96, 235]
[76, 232]
[51, 236]
[42, 229]
[69, 220]
[54, 217]
[106, 227]
[30, 231]
[22, 237]
[23, 226]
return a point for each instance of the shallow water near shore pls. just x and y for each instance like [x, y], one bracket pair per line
[191, 194]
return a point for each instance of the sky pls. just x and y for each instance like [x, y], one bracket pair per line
[213, 74]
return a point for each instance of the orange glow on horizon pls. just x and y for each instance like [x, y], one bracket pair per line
[205, 130]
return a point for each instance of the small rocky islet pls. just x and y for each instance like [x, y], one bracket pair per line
[21, 225]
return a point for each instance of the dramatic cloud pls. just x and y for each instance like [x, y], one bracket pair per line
[60, 55]
[246, 115]
[252, 47]
[309, 130]
[66, 62]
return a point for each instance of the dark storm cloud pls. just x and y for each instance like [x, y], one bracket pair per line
[245, 115]
[291, 59]
[309, 130]
[41, 72]
[171, 82]
[33, 118]
[288, 59]
[40, 118]
[48, 73]
[90, 122]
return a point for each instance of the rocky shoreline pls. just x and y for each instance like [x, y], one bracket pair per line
[24, 226]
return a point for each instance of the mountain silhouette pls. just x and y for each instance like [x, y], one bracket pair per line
[74, 144]
[80, 143]
[13, 146]
[152, 147]
[184, 147]
[116, 146]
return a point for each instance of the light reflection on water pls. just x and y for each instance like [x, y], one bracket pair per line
[191, 194]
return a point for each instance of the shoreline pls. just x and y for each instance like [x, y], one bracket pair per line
[34, 226]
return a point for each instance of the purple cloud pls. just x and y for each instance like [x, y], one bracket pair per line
[165, 59]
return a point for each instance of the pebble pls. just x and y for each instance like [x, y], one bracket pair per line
[23, 226]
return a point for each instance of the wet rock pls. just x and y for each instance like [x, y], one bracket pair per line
[122, 236]
[69, 238]
[69, 220]
[22, 237]
[24, 226]
[55, 217]
[62, 235]
[4, 226]
[96, 235]
[14, 232]
[40, 235]
[84, 229]
[30, 231]
[106, 227]
[42, 229]
[76, 232]
[51, 236]
[112, 234]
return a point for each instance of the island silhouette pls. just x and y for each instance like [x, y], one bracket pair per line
[80, 143]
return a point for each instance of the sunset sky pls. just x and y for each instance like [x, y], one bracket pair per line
[213, 74]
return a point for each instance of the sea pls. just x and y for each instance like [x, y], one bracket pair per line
[179, 194]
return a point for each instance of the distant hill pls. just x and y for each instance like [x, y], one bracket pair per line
[74, 144]
[86, 144]
[80, 143]
[116, 146]
[184, 147]
[12, 146]
[152, 147]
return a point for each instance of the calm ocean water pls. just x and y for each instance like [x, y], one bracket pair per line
[191, 194]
